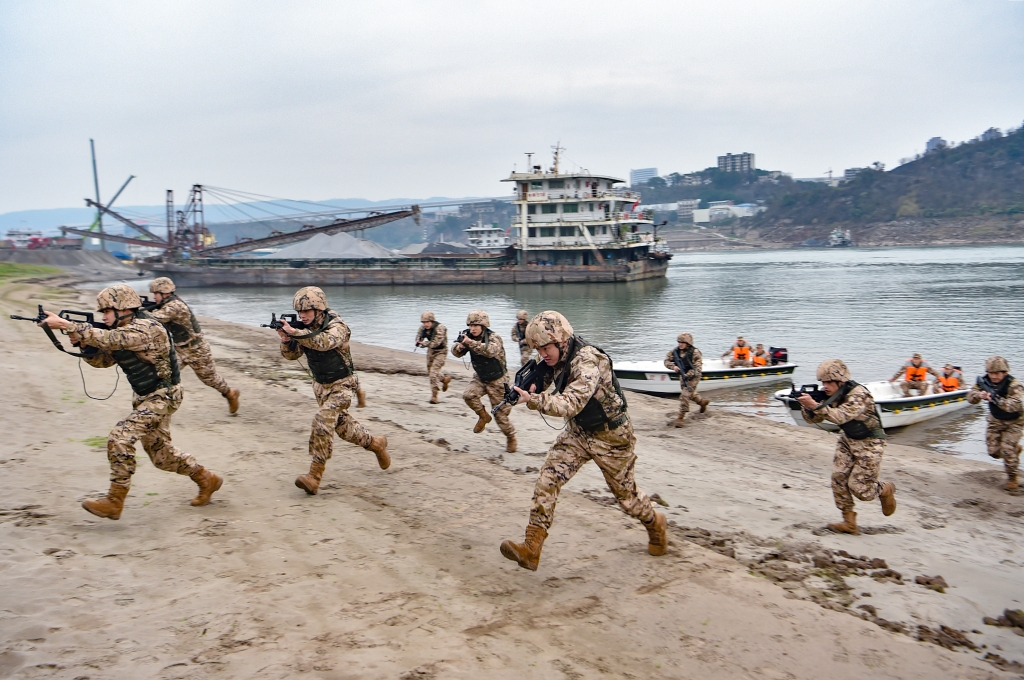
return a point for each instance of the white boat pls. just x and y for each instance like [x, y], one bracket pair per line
[896, 410]
[651, 377]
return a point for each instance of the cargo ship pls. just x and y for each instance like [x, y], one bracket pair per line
[568, 227]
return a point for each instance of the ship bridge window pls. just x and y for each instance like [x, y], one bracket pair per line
[571, 208]
[567, 231]
[531, 209]
[536, 186]
[590, 207]
[556, 184]
[549, 209]
[543, 232]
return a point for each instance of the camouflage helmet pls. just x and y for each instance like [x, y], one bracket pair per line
[121, 296]
[478, 317]
[427, 316]
[685, 337]
[546, 328]
[997, 364]
[833, 370]
[521, 315]
[309, 297]
[161, 284]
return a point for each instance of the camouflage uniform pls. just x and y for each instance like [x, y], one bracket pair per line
[334, 399]
[857, 462]
[1003, 436]
[494, 389]
[688, 383]
[150, 419]
[437, 354]
[519, 337]
[193, 350]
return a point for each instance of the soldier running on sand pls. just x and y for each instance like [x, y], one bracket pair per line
[334, 384]
[487, 354]
[189, 343]
[142, 348]
[519, 337]
[434, 336]
[687, 361]
[1005, 397]
[858, 457]
[581, 388]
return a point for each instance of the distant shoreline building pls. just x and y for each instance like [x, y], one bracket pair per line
[641, 175]
[851, 173]
[741, 162]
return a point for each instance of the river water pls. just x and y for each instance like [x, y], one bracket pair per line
[871, 307]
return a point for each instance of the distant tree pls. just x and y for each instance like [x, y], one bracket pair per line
[657, 183]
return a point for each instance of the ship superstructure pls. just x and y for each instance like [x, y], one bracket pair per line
[487, 239]
[577, 218]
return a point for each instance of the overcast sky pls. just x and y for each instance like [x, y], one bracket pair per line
[382, 99]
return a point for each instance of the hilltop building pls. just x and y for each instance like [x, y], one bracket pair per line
[850, 173]
[641, 176]
[685, 208]
[934, 144]
[741, 162]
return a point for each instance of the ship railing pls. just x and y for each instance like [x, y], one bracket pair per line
[438, 263]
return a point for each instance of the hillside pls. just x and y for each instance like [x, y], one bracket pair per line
[970, 193]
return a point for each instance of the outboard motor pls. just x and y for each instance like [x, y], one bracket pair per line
[779, 355]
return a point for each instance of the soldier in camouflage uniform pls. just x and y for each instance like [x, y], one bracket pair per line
[189, 343]
[858, 459]
[142, 348]
[688, 362]
[1005, 397]
[434, 336]
[519, 337]
[581, 388]
[487, 354]
[323, 342]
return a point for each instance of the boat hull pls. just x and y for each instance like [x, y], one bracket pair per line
[896, 410]
[412, 272]
[651, 377]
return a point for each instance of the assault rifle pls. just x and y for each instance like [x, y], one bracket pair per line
[420, 337]
[810, 390]
[985, 385]
[67, 315]
[531, 375]
[278, 323]
[148, 304]
[463, 335]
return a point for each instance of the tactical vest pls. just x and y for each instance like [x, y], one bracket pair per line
[142, 375]
[488, 369]
[429, 335]
[327, 366]
[1002, 389]
[521, 330]
[869, 428]
[684, 360]
[593, 416]
[180, 333]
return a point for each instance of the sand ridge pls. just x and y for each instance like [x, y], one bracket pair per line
[397, 573]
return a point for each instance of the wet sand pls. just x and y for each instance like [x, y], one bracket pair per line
[397, 574]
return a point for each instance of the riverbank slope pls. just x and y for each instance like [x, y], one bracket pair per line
[397, 573]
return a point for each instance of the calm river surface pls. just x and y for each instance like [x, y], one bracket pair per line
[871, 307]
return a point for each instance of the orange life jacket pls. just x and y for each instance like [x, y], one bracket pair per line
[949, 383]
[741, 353]
[917, 373]
[760, 359]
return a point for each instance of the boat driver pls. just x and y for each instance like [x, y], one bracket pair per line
[951, 379]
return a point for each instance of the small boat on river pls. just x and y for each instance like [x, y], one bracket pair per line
[651, 377]
[896, 410]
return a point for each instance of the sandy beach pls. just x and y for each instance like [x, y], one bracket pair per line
[397, 574]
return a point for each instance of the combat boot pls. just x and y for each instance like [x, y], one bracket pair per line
[433, 397]
[679, 421]
[511, 444]
[447, 379]
[703, 405]
[109, 506]
[310, 483]
[1011, 482]
[657, 535]
[848, 525]
[360, 398]
[232, 397]
[527, 553]
[208, 483]
[887, 494]
[483, 418]
[379, 445]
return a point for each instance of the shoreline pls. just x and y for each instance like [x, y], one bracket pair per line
[399, 571]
